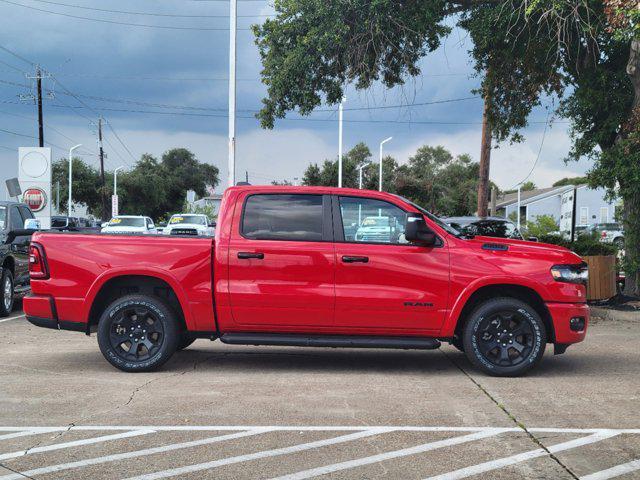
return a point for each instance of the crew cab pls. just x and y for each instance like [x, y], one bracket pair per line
[281, 271]
[14, 252]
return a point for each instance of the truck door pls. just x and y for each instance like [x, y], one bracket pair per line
[19, 247]
[383, 283]
[282, 261]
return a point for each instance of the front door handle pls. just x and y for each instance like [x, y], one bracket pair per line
[350, 259]
[248, 255]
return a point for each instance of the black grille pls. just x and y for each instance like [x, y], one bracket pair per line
[184, 231]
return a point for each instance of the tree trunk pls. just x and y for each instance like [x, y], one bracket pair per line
[631, 195]
[485, 161]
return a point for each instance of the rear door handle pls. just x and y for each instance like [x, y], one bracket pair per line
[248, 255]
[349, 259]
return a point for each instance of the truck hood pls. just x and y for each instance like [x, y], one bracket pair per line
[555, 253]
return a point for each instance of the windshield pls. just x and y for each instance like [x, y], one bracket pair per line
[3, 217]
[432, 217]
[58, 222]
[193, 219]
[492, 228]
[606, 226]
[127, 222]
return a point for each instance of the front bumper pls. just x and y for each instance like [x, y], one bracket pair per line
[561, 315]
[40, 310]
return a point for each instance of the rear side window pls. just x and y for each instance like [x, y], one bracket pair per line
[16, 219]
[3, 217]
[283, 217]
[26, 213]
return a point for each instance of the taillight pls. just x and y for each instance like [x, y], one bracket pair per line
[604, 234]
[37, 262]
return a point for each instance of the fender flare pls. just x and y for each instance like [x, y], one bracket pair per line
[152, 272]
[453, 316]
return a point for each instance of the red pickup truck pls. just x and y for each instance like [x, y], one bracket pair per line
[312, 266]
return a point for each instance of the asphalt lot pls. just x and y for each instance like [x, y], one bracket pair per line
[233, 412]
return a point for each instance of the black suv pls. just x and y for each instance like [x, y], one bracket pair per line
[14, 253]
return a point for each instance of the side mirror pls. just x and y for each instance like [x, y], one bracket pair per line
[212, 224]
[32, 224]
[418, 232]
[104, 224]
[532, 239]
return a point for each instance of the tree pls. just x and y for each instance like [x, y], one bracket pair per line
[528, 186]
[571, 181]
[327, 173]
[86, 185]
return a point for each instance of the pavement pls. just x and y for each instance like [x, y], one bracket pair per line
[236, 412]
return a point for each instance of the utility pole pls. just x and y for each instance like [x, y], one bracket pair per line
[104, 193]
[246, 176]
[340, 142]
[485, 160]
[233, 13]
[39, 100]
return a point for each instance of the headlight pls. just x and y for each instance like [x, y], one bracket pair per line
[570, 273]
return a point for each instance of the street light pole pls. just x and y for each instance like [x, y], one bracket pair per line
[340, 142]
[115, 181]
[71, 175]
[518, 214]
[233, 14]
[360, 168]
[381, 144]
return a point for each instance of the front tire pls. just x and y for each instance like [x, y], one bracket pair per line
[504, 337]
[138, 333]
[6, 293]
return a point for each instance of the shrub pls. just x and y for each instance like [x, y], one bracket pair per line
[584, 245]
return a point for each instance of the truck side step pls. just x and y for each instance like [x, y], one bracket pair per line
[345, 341]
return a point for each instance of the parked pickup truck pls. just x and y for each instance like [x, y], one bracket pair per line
[280, 272]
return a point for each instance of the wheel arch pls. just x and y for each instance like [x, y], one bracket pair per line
[108, 289]
[524, 293]
[9, 263]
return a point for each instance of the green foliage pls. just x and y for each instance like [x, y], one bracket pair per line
[208, 210]
[528, 186]
[541, 226]
[305, 56]
[153, 188]
[433, 178]
[86, 185]
[571, 181]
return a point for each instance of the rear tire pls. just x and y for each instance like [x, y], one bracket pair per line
[504, 337]
[138, 333]
[6, 292]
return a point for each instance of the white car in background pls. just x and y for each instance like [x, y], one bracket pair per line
[189, 224]
[130, 224]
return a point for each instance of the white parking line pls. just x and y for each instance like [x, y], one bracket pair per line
[425, 447]
[75, 443]
[523, 457]
[2, 320]
[22, 434]
[127, 455]
[174, 472]
[614, 471]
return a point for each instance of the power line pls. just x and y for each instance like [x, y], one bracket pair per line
[114, 22]
[149, 14]
[15, 68]
[11, 52]
[120, 140]
[544, 134]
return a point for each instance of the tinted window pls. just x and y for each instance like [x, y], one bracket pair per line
[283, 217]
[58, 222]
[127, 222]
[26, 213]
[16, 219]
[372, 221]
[491, 228]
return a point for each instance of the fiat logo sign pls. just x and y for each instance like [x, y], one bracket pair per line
[35, 199]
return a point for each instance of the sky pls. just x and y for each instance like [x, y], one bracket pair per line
[159, 78]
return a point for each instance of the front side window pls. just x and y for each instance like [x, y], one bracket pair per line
[283, 217]
[372, 221]
[3, 217]
[16, 219]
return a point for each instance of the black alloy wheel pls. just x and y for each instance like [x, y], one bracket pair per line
[138, 333]
[504, 337]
